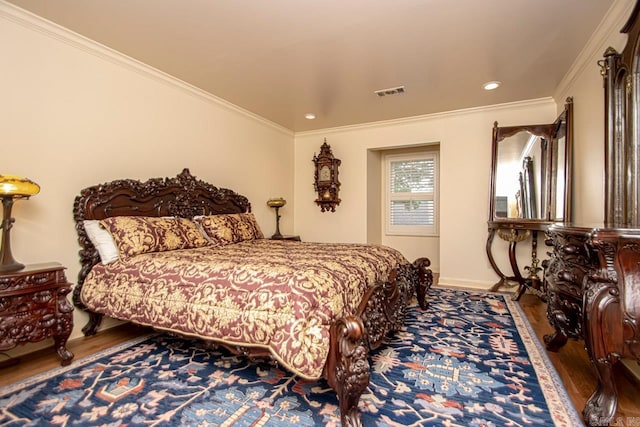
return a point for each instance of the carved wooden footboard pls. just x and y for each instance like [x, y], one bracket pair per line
[382, 310]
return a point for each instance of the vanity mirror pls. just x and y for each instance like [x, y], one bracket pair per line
[530, 190]
[531, 171]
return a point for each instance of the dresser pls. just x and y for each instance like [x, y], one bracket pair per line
[34, 307]
[593, 292]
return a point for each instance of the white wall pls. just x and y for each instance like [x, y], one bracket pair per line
[74, 114]
[465, 160]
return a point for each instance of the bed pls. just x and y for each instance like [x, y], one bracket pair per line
[181, 255]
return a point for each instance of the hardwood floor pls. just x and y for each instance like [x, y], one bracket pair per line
[43, 360]
[574, 368]
[571, 362]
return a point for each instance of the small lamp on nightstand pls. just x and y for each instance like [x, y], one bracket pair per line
[11, 188]
[277, 204]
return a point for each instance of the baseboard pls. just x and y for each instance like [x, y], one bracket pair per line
[633, 368]
[478, 285]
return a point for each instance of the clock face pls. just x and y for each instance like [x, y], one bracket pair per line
[324, 174]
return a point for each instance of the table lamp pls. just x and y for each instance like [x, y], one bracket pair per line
[277, 204]
[11, 188]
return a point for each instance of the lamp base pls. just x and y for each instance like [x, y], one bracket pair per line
[277, 234]
[14, 266]
[7, 263]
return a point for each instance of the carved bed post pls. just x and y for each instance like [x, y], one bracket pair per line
[88, 258]
[347, 367]
[425, 280]
[381, 311]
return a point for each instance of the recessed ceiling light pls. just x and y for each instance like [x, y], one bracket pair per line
[491, 85]
[309, 116]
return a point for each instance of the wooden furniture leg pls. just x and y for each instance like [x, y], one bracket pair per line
[516, 271]
[602, 307]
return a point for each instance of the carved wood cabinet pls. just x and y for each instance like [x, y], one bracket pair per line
[594, 294]
[34, 306]
[571, 260]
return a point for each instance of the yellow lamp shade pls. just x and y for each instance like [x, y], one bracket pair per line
[276, 203]
[11, 185]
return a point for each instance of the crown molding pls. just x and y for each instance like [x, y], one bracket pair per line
[612, 22]
[433, 116]
[33, 22]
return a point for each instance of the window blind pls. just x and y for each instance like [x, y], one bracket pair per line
[411, 194]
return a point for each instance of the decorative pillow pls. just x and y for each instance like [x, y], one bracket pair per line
[191, 234]
[102, 240]
[136, 235]
[229, 228]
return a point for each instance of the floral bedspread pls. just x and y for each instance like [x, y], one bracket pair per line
[278, 295]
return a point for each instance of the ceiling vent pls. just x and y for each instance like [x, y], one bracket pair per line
[391, 91]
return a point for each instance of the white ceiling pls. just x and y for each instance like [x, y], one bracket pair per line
[281, 59]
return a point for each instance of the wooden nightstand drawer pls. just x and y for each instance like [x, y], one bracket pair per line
[36, 276]
[34, 306]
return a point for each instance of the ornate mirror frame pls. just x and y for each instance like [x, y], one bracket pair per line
[544, 188]
[541, 178]
[621, 73]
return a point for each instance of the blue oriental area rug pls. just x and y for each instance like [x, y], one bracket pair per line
[471, 359]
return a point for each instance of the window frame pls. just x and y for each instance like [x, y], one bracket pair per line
[411, 230]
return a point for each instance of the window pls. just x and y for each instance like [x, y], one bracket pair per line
[411, 202]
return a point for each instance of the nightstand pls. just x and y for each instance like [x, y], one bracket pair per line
[34, 307]
[295, 238]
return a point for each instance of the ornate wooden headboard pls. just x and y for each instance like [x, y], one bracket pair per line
[183, 196]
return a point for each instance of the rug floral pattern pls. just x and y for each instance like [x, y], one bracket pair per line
[469, 360]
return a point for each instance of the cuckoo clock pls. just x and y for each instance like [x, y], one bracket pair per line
[326, 179]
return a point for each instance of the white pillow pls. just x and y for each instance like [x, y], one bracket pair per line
[102, 240]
